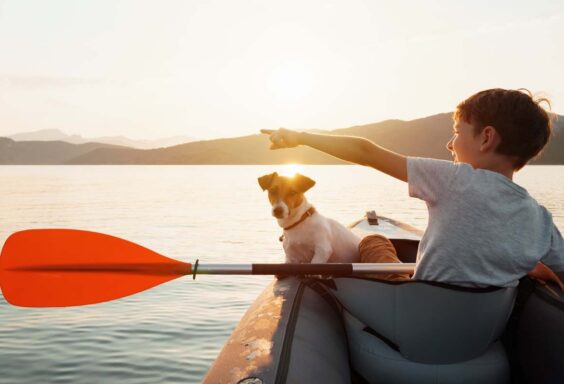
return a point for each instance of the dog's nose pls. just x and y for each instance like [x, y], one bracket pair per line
[277, 212]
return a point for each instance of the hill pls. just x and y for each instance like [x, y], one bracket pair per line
[42, 152]
[58, 135]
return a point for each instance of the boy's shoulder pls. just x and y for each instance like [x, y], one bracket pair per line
[463, 173]
[436, 181]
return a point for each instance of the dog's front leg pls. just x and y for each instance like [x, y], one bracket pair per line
[322, 254]
[291, 258]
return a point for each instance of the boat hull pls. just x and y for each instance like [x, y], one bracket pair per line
[294, 332]
[290, 334]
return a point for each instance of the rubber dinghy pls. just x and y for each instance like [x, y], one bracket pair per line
[361, 330]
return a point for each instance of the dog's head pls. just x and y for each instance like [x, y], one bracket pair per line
[285, 193]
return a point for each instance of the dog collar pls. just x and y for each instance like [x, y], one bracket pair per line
[306, 214]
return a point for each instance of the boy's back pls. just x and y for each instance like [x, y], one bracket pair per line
[483, 228]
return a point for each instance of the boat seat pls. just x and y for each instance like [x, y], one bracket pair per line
[425, 332]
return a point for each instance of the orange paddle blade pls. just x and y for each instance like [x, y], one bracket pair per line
[67, 267]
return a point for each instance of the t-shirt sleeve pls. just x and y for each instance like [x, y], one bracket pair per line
[555, 256]
[428, 178]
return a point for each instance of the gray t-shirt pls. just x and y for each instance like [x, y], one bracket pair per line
[483, 228]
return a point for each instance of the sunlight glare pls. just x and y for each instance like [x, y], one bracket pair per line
[290, 170]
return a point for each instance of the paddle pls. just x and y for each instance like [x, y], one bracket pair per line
[67, 267]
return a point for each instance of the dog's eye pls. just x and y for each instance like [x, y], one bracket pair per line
[292, 193]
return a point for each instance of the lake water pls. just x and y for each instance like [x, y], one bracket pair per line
[218, 214]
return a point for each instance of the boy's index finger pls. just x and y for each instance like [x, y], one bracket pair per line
[267, 131]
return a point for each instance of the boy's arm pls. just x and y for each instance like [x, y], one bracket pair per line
[354, 149]
[554, 259]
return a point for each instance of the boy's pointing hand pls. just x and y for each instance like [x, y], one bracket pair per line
[282, 138]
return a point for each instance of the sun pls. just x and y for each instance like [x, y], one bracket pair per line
[290, 170]
[290, 81]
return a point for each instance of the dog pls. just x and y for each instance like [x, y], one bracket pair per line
[308, 236]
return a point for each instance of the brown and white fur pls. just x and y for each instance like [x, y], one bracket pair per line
[316, 239]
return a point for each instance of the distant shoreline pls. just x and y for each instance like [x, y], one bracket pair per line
[425, 137]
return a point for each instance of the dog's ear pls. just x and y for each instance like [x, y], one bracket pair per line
[266, 181]
[303, 182]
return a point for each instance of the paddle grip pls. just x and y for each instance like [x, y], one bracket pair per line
[302, 269]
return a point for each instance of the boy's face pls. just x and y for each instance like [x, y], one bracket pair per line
[464, 144]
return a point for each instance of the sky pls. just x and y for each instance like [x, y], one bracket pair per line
[225, 68]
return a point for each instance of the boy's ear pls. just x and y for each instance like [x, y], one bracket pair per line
[490, 139]
[266, 181]
[303, 183]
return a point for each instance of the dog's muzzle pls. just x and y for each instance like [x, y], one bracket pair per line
[279, 211]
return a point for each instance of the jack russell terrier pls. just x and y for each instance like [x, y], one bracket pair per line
[308, 236]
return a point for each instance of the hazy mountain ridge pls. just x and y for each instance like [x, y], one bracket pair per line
[42, 152]
[427, 137]
[58, 135]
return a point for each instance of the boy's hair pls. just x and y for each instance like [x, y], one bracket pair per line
[522, 124]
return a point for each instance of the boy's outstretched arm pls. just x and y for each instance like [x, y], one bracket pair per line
[349, 148]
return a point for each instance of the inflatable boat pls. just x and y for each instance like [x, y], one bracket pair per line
[365, 330]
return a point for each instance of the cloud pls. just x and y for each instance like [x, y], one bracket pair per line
[41, 82]
[478, 29]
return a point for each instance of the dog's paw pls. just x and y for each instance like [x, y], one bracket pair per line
[319, 277]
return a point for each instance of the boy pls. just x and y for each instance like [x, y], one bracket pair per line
[483, 230]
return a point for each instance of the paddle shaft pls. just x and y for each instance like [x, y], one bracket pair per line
[340, 269]
[179, 268]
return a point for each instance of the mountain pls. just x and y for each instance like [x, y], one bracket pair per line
[47, 135]
[58, 135]
[421, 137]
[42, 152]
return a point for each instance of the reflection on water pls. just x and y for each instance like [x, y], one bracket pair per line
[217, 214]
